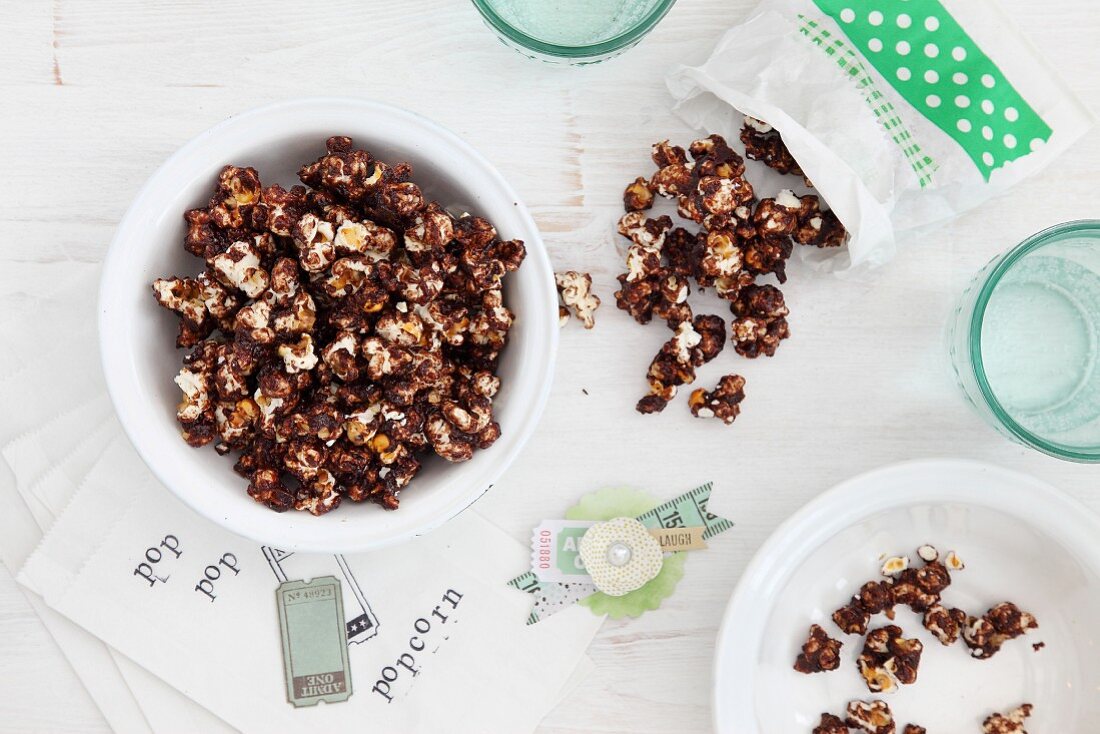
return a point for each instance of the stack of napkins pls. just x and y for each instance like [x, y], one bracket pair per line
[114, 564]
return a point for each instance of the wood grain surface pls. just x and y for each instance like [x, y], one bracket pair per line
[96, 94]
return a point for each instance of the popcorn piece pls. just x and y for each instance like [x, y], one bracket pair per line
[365, 237]
[831, 724]
[872, 717]
[724, 402]
[920, 588]
[889, 660]
[895, 565]
[986, 634]
[818, 228]
[644, 232]
[340, 355]
[720, 257]
[763, 255]
[638, 195]
[953, 562]
[763, 143]
[280, 208]
[723, 195]
[236, 422]
[760, 322]
[945, 624]
[432, 229]
[928, 553]
[819, 653]
[1010, 723]
[712, 338]
[299, 356]
[638, 297]
[682, 251]
[575, 292]
[914, 729]
[353, 175]
[673, 180]
[874, 597]
[777, 217]
[238, 190]
[713, 157]
[319, 496]
[185, 296]
[665, 154]
[314, 238]
[852, 619]
[448, 441]
[266, 487]
[671, 299]
[239, 266]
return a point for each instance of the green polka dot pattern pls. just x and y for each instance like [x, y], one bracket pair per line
[924, 54]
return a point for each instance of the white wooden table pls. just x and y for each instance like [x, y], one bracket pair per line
[97, 94]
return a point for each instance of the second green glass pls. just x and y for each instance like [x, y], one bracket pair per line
[1024, 342]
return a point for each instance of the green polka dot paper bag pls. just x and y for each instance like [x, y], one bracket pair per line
[903, 113]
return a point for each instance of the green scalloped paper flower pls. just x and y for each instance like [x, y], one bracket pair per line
[607, 504]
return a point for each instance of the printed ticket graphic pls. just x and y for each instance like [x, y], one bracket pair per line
[315, 650]
[362, 624]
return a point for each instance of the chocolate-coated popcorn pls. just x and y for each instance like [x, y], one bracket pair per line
[760, 321]
[575, 296]
[986, 635]
[831, 724]
[889, 660]
[739, 241]
[1011, 723]
[723, 402]
[638, 195]
[763, 143]
[340, 333]
[872, 717]
[820, 652]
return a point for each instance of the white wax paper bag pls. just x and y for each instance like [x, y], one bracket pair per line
[902, 114]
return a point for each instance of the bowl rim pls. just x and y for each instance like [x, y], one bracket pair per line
[845, 504]
[585, 51]
[114, 363]
[1088, 228]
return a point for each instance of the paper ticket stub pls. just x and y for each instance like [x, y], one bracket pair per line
[555, 550]
[315, 651]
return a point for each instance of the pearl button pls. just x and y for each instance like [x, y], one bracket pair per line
[618, 554]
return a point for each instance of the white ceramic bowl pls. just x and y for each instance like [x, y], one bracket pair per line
[1021, 540]
[137, 336]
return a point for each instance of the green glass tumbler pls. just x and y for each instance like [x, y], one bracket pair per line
[572, 32]
[1024, 339]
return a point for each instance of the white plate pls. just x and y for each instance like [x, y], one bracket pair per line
[137, 336]
[1022, 541]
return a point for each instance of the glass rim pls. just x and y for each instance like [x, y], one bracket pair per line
[616, 43]
[1036, 241]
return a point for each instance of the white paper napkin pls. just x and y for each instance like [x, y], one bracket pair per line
[53, 443]
[483, 669]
